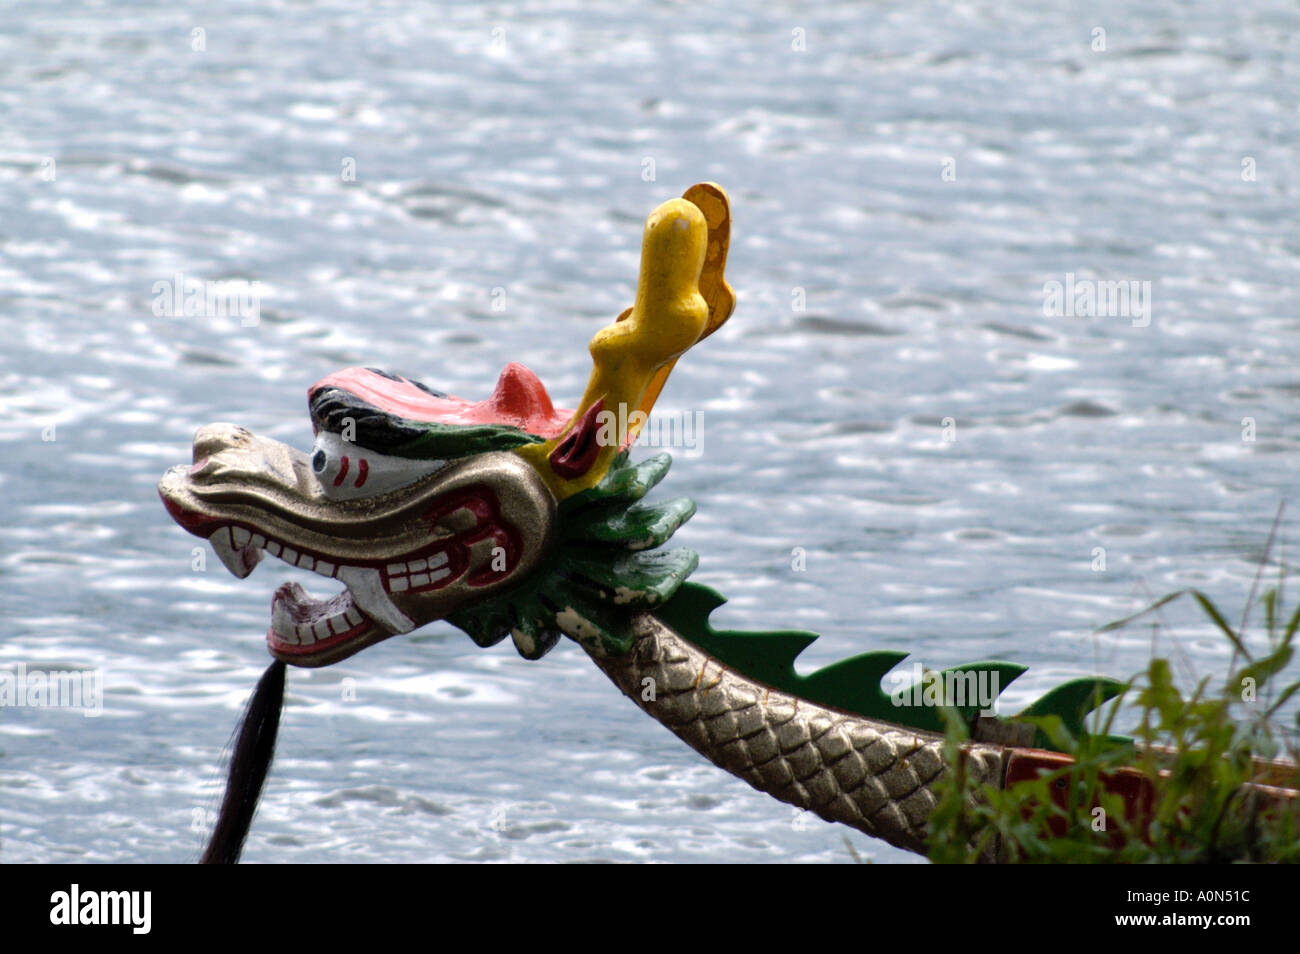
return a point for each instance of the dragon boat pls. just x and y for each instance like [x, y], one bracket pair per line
[508, 517]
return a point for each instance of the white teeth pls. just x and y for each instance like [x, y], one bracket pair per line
[237, 560]
[368, 593]
[242, 536]
[324, 569]
[310, 632]
[290, 556]
[401, 583]
[396, 570]
[257, 540]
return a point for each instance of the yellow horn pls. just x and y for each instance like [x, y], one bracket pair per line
[711, 199]
[676, 306]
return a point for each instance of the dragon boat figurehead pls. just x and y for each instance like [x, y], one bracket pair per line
[507, 516]
[426, 506]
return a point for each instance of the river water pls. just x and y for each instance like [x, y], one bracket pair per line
[437, 189]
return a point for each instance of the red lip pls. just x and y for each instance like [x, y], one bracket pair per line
[193, 522]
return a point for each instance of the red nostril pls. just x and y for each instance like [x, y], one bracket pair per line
[343, 472]
[363, 471]
[574, 455]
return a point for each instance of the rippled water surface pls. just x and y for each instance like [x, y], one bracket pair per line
[504, 154]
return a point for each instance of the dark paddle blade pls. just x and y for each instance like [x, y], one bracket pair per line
[249, 765]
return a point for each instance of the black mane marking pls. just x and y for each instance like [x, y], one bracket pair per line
[373, 428]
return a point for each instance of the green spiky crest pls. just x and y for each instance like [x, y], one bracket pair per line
[854, 684]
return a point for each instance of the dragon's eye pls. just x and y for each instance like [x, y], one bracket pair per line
[346, 469]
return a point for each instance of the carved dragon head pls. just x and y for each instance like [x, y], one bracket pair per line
[507, 516]
[427, 507]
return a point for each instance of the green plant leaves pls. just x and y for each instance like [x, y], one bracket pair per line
[1204, 756]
